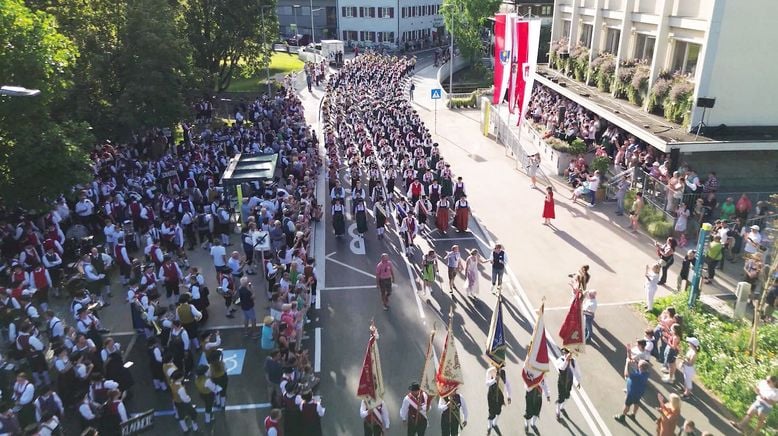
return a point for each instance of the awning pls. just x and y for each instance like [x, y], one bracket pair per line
[249, 168]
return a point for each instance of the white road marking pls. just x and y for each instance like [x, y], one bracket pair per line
[372, 276]
[129, 347]
[464, 238]
[357, 244]
[234, 407]
[615, 303]
[348, 288]
[317, 350]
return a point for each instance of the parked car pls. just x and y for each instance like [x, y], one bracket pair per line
[298, 40]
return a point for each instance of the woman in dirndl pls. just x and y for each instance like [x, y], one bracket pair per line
[338, 218]
[462, 215]
[441, 215]
[360, 213]
[429, 270]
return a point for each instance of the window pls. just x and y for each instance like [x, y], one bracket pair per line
[349, 35]
[385, 36]
[349, 12]
[385, 12]
[285, 10]
[644, 46]
[566, 24]
[545, 10]
[612, 41]
[304, 10]
[586, 35]
[685, 55]
[403, 12]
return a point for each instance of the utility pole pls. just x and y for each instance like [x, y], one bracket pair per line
[313, 33]
[451, 65]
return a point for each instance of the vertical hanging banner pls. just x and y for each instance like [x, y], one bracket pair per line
[526, 38]
[503, 47]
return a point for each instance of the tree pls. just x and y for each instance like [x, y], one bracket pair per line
[230, 37]
[40, 156]
[467, 18]
[154, 67]
[95, 28]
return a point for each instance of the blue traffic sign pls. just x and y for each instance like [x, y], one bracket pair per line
[233, 361]
[436, 93]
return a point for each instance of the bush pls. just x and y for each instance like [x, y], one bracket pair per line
[601, 163]
[602, 71]
[660, 229]
[724, 365]
[577, 147]
[463, 102]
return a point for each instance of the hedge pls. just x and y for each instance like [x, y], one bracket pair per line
[724, 365]
[653, 220]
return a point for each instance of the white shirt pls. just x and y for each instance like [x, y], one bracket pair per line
[491, 378]
[27, 392]
[589, 305]
[407, 403]
[218, 253]
[752, 241]
[86, 411]
[384, 413]
[766, 392]
[443, 406]
[561, 364]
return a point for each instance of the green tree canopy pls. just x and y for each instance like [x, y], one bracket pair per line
[230, 37]
[154, 67]
[40, 156]
[467, 19]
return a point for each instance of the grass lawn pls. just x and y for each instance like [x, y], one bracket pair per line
[279, 63]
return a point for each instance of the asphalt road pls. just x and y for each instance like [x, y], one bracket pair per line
[350, 301]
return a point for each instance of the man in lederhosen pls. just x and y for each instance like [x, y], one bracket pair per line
[453, 416]
[497, 395]
[568, 375]
[375, 420]
[414, 410]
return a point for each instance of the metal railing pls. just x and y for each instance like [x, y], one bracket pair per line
[510, 137]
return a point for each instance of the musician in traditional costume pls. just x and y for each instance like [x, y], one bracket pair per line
[338, 217]
[442, 215]
[462, 214]
[374, 420]
[498, 394]
[409, 229]
[413, 411]
[423, 209]
[536, 389]
[380, 212]
[569, 374]
[311, 412]
[360, 215]
[185, 408]
[207, 390]
[453, 414]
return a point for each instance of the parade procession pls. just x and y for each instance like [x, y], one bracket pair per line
[465, 217]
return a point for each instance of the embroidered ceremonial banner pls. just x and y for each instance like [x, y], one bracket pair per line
[371, 380]
[537, 354]
[449, 375]
[572, 330]
[428, 383]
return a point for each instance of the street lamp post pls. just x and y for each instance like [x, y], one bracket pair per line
[18, 91]
[296, 40]
[313, 34]
[264, 43]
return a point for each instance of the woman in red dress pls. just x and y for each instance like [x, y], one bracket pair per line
[462, 214]
[548, 206]
[441, 215]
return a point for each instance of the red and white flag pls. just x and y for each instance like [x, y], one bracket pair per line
[572, 330]
[503, 46]
[526, 37]
[537, 354]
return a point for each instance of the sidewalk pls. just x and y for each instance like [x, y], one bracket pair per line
[510, 211]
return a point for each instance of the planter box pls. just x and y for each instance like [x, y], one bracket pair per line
[551, 161]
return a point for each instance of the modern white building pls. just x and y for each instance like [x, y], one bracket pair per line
[725, 47]
[390, 21]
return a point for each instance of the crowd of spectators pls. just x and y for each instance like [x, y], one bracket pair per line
[149, 203]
